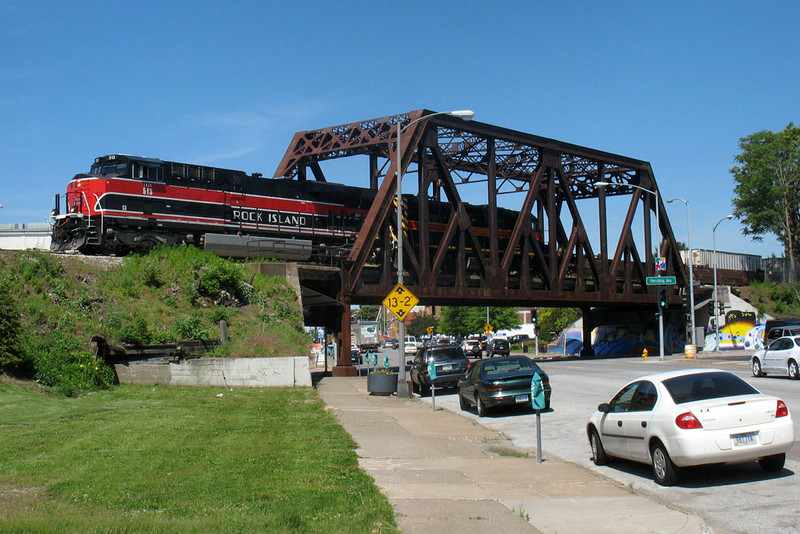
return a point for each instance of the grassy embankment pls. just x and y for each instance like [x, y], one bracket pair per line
[52, 306]
[160, 459]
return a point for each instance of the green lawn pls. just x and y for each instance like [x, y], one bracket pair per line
[168, 459]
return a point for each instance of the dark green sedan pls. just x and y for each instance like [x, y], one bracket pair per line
[504, 381]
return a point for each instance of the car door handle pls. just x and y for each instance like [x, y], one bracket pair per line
[644, 424]
[619, 424]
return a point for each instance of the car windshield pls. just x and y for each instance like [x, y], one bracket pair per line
[501, 343]
[701, 386]
[446, 355]
[513, 365]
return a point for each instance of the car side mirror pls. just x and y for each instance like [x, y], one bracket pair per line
[604, 408]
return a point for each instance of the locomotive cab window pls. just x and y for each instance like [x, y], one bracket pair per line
[147, 172]
[110, 169]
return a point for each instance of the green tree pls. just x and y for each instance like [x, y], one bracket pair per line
[418, 325]
[368, 312]
[555, 320]
[453, 321]
[767, 194]
[465, 320]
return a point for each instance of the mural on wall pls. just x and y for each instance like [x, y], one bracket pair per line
[740, 332]
[620, 340]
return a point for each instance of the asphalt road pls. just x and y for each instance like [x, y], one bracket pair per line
[739, 498]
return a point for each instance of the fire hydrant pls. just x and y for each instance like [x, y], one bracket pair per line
[644, 354]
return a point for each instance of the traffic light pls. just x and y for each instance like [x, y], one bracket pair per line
[662, 299]
[535, 315]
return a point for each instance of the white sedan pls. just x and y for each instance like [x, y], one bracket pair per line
[780, 358]
[682, 418]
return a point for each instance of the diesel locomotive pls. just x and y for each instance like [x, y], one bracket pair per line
[129, 203]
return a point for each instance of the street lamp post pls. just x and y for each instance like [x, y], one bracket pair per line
[465, 114]
[716, 299]
[653, 192]
[691, 278]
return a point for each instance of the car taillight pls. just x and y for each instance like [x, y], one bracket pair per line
[782, 410]
[687, 421]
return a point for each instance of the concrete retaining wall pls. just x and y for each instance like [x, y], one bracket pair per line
[219, 372]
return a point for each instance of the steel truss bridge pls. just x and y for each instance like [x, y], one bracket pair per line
[529, 240]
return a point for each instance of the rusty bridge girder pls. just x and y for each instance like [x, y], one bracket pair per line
[536, 251]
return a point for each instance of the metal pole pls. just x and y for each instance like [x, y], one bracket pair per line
[691, 276]
[539, 436]
[402, 384]
[658, 252]
[716, 299]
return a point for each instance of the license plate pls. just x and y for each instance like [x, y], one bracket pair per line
[522, 398]
[446, 368]
[744, 440]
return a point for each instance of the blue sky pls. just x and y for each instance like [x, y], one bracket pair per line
[228, 84]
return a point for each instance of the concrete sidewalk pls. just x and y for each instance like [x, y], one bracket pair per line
[445, 473]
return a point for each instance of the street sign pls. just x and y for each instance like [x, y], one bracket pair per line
[660, 280]
[661, 264]
[488, 327]
[400, 301]
[429, 330]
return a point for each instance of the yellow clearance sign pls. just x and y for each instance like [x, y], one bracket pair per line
[400, 301]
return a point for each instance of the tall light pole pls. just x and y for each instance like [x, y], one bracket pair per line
[691, 278]
[716, 300]
[653, 192]
[465, 114]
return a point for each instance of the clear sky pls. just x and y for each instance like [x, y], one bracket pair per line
[228, 84]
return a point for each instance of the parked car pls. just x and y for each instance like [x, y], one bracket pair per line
[472, 347]
[411, 345]
[450, 362]
[391, 343]
[498, 347]
[683, 418]
[502, 381]
[355, 354]
[781, 358]
[773, 333]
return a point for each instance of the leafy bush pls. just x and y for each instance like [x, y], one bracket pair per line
[71, 373]
[191, 328]
[136, 332]
[10, 326]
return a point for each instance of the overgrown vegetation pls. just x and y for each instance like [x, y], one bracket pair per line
[167, 459]
[780, 300]
[51, 307]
